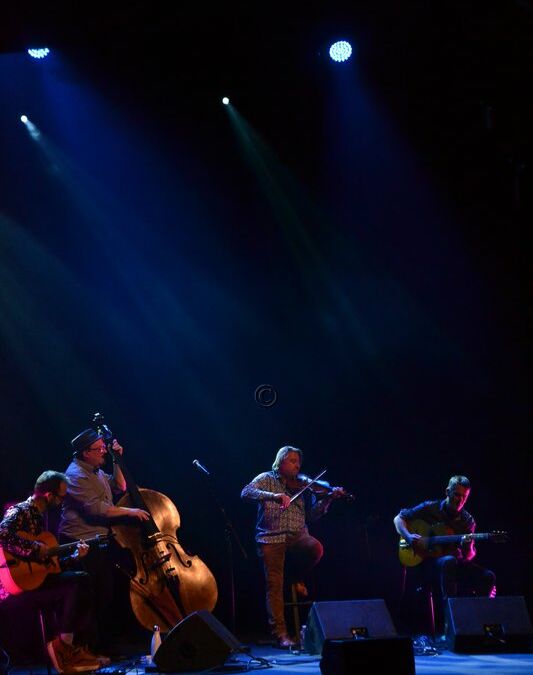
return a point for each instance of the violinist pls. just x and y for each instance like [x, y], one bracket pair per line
[88, 511]
[282, 536]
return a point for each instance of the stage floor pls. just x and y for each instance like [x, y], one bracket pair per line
[262, 656]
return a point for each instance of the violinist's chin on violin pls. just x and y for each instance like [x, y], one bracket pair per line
[286, 501]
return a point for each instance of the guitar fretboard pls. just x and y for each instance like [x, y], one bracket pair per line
[452, 538]
[65, 548]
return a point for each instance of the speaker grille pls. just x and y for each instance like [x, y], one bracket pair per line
[488, 624]
[199, 642]
[338, 620]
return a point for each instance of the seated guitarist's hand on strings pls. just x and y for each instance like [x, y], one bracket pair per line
[468, 550]
[43, 551]
[411, 538]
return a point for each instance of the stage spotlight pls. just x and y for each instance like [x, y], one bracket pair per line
[30, 126]
[340, 51]
[38, 52]
[225, 100]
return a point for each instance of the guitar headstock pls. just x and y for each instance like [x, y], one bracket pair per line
[499, 537]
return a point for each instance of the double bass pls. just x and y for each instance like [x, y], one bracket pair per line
[169, 583]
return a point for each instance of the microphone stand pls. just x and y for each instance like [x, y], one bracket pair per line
[229, 534]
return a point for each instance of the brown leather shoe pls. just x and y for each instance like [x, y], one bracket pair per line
[67, 659]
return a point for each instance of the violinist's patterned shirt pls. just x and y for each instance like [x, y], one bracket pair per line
[23, 517]
[274, 525]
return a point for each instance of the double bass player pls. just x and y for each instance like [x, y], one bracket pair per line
[166, 583]
[88, 511]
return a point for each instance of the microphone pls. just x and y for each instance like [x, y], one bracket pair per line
[201, 468]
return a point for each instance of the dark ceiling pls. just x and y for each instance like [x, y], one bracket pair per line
[456, 75]
[434, 58]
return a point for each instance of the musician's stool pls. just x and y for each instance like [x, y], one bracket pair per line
[26, 629]
[296, 605]
[42, 624]
[422, 588]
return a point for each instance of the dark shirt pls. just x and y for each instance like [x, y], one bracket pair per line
[435, 513]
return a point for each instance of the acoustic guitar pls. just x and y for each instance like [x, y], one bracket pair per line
[20, 574]
[436, 541]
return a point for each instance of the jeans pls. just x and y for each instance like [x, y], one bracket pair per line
[451, 577]
[299, 554]
[99, 565]
[70, 594]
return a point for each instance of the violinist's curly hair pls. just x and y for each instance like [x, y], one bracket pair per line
[282, 453]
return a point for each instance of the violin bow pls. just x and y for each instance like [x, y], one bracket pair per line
[314, 480]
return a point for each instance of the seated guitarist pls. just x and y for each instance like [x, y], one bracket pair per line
[68, 591]
[452, 572]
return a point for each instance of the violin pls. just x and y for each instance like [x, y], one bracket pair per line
[320, 488]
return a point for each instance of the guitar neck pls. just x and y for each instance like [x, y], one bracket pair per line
[456, 538]
[63, 549]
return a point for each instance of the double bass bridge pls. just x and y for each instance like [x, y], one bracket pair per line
[159, 553]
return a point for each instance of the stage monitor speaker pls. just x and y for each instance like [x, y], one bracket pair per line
[488, 624]
[368, 655]
[346, 619]
[198, 642]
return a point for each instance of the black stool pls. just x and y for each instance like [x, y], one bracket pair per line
[42, 624]
[25, 619]
[295, 605]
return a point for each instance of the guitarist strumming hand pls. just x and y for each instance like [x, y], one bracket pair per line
[20, 530]
[448, 566]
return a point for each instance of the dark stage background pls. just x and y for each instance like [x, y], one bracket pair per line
[353, 235]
